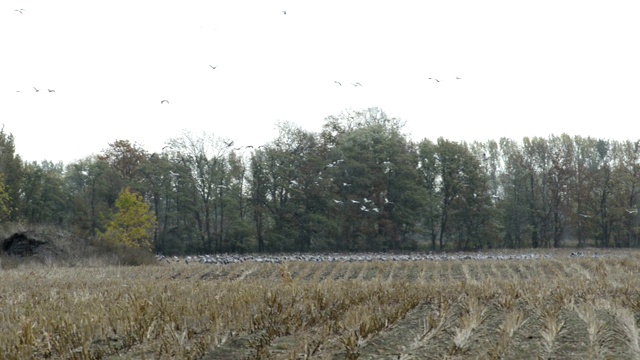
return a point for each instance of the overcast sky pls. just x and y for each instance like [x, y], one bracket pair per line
[527, 68]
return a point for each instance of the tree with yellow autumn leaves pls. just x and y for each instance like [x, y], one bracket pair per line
[132, 224]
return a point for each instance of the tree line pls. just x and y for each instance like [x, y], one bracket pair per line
[358, 184]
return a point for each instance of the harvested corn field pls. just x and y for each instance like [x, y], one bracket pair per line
[559, 307]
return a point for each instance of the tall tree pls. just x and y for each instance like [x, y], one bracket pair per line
[559, 176]
[428, 168]
[205, 160]
[43, 199]
[126, 159]
[11, 170]
[514, 200]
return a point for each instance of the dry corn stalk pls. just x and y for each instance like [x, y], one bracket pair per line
[285, 274]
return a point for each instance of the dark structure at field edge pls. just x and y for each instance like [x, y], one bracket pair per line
[21, 244]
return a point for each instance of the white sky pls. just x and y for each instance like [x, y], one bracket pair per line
[528, 68]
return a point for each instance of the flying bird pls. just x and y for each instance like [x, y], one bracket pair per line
[632, 211]
[34, 88]
[458, 78]
[164, 101]
[337, 82]
[337, 201]
[20, 10]
[284, 12]
[213, 67]
[434, 79]
[357, 84]
[355, 202]
[229, 144]
[51, 90]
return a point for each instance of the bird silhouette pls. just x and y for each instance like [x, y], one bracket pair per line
[337, 82]
[164, 101]
[458, 78]
[229, 144]
[51, 90]
[34, 88]
[213, 67]
[20, 10]
[284, 12]
[434, 79]
[357, 84]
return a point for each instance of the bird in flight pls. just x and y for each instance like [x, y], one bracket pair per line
[51, 90]
[213, 67]
[357, 84]
[337, 82]
[284, 12]
[164, 101]
[229, 144]
[434, 79]
[20, 10]
[37, 90]
[458, 78]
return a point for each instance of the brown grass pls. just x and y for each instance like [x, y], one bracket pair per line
[583, 308]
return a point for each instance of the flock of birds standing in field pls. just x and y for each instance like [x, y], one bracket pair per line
[226, 259]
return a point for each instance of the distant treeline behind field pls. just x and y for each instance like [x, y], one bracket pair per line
[359, 184]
